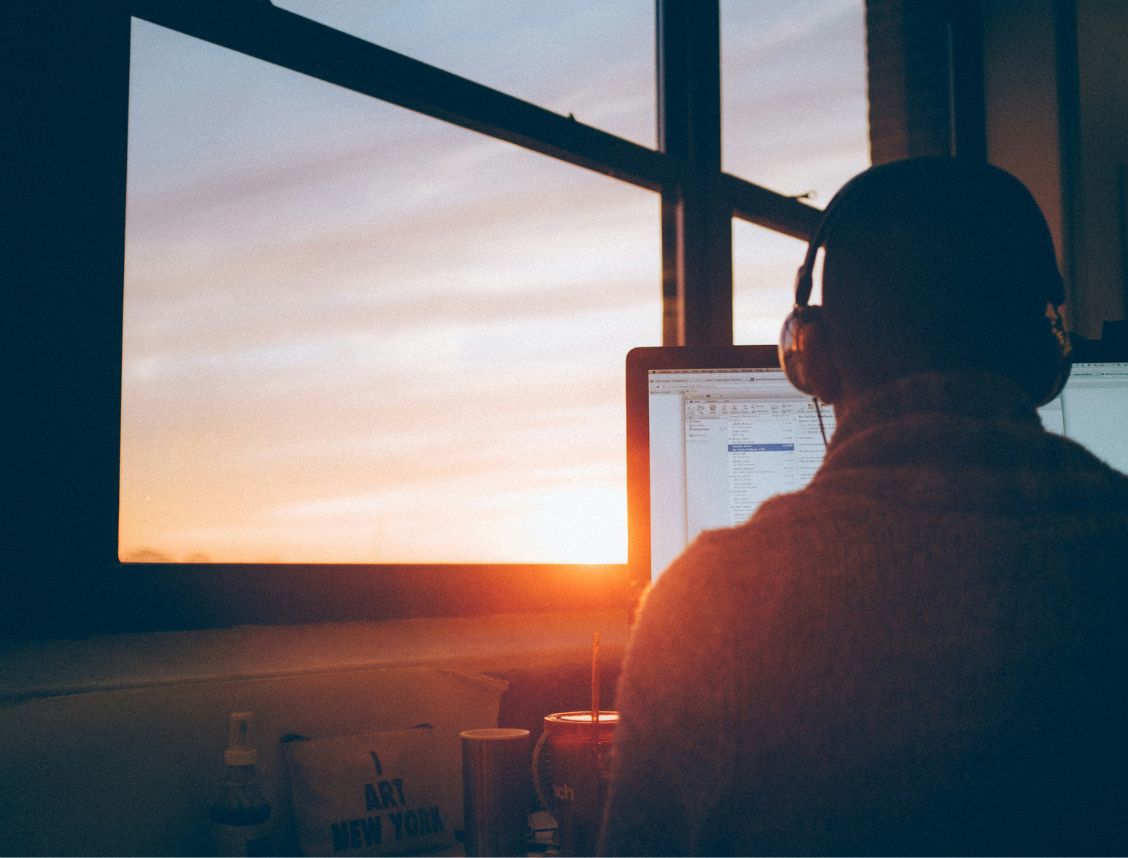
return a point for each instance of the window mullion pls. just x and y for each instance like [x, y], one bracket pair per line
[696, 220]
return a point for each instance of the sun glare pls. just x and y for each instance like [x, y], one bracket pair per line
[578, 525]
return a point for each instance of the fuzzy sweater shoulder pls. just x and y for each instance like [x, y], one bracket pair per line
[922, 651]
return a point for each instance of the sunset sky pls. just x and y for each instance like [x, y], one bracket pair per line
[354, 333]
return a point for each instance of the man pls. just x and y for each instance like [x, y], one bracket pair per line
[924, 650]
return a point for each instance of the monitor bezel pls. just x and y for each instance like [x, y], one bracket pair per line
[640, 361]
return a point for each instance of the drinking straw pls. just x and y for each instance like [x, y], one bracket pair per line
[595, 678]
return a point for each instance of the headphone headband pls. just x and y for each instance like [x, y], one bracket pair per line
[805, 276]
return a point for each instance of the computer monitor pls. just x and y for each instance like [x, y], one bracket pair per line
[712, 432]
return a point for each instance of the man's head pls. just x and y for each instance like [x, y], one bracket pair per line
[931, 264]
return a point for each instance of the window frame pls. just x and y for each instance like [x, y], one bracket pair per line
[698, 202]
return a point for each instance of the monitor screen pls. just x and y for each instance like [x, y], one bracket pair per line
[1093, 411]
[715, 441]
[721, 442]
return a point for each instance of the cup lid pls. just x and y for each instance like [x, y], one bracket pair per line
[495, 734]
[606, 716]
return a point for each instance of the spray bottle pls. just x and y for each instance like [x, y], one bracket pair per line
[241, 818]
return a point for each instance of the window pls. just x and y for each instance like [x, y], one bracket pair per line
[794, 93]
[354, 334]
[763, 269]
[652, 223]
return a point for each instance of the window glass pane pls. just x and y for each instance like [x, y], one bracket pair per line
[763, 275]
[794, 93]
[357, 334]
[592, 60]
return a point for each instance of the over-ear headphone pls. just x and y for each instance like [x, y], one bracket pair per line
[794, 337]
[1043, 379]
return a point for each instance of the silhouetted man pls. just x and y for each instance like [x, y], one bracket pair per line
[924, 650]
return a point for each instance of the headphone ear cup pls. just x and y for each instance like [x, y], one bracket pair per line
[1050, 368]
[794, 341]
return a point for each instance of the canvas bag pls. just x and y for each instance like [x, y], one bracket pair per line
[379, 793]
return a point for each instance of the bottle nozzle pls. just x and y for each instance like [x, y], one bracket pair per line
[240, 740]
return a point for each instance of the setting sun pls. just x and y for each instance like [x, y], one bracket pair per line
[578, 525]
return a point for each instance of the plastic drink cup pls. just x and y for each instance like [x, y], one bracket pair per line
[573, 766]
